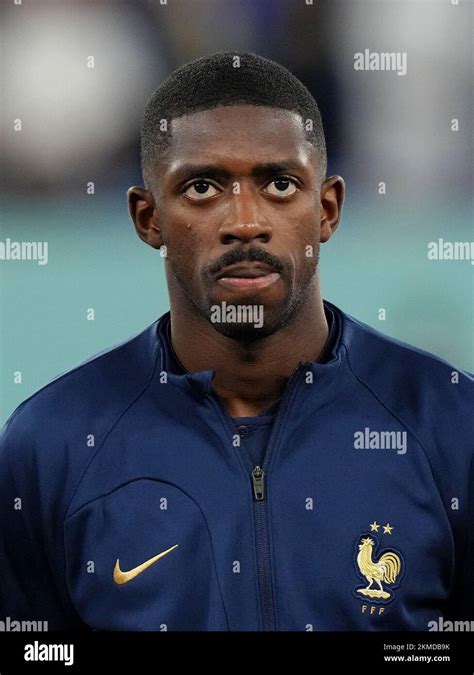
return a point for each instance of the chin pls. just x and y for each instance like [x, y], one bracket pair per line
[246, 322]
[242, 332]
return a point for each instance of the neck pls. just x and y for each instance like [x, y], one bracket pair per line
[249, 377]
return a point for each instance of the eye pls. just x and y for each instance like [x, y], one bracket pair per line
[284, 186]
[199, 190]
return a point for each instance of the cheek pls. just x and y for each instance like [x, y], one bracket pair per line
[307, 220]
[306, 256]
[302, 242]
[181, 239]
[186, 253]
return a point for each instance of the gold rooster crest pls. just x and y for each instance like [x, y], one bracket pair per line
[386, 569]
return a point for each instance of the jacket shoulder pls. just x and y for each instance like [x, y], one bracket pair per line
[376, 357]
[62, 424]
[106, 378]
[433, 398]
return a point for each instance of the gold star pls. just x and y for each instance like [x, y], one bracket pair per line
[374, 527]
[387, 529]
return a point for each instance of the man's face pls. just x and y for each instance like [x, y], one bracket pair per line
[256, 207]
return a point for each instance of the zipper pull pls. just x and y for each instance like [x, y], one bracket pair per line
[257, 480]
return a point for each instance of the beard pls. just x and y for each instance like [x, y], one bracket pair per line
[248, 322]
[260, 320]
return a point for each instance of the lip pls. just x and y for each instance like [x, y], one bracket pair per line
[247, 282]
[247, 270]
[250, 276]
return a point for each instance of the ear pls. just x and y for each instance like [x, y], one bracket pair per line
[142, 210]
[332, 198]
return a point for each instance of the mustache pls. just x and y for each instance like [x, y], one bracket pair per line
[239, 255]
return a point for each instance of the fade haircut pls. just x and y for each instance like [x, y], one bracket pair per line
[224, 79]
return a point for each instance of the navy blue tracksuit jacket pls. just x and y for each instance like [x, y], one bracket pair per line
[129, 502]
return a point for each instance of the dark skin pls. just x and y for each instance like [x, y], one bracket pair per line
[283, 215]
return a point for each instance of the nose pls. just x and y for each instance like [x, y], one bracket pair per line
[244, 223]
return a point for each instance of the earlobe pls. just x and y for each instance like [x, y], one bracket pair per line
[142, 210]
[332, 200]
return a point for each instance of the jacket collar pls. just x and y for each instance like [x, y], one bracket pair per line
[200, 382]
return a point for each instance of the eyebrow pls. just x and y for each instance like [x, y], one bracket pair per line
[189, 171]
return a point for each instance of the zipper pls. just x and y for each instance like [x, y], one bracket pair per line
[258, 485]
[257, 477]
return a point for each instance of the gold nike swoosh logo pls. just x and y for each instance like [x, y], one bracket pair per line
[121, 578]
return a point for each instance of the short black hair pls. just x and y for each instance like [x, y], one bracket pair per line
[222, 79]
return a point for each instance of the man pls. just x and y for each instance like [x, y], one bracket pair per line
[256, 459]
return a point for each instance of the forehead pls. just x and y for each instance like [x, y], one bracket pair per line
[246, 134]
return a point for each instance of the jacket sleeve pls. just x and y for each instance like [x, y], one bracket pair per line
[32, 569]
